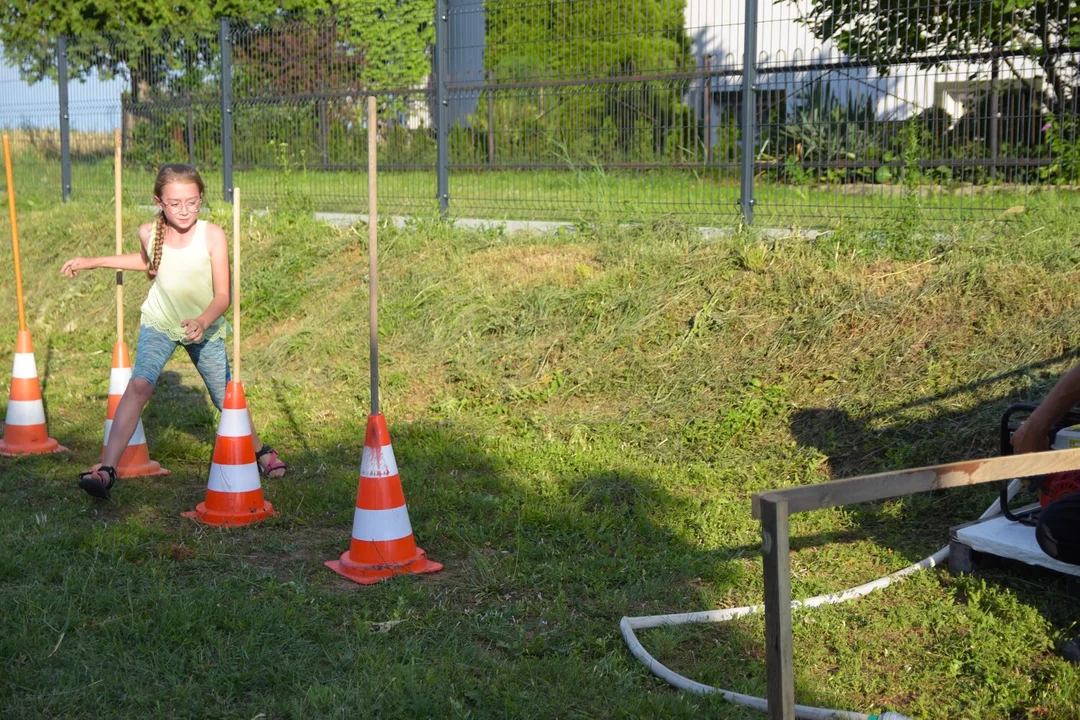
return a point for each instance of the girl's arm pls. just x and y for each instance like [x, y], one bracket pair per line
[130, 261]
[1032, 436]
[218, 247]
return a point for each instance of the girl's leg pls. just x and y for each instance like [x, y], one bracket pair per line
[212, 362]
[126, 419]
[152, 352]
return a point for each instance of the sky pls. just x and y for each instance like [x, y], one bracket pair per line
[94, 104]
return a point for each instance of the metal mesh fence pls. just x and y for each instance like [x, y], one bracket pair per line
[160, 90]
[578, 109]
[300, 117]
[30, 119]
[869, 109]
[595, 107]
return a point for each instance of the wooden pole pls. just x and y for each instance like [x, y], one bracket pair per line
[118, 188]
[779, 653]
[14, 231]
[236, 282]
[373, 254]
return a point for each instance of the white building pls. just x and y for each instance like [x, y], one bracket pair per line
[790, 57]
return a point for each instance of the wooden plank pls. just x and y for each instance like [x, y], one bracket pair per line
[881, 486]
[779, 656]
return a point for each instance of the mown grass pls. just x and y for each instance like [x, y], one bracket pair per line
[580, 421]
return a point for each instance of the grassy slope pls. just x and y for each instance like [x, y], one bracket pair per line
[580, 421]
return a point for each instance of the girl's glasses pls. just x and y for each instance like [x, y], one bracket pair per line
[192, 206]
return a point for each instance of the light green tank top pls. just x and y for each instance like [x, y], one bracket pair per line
[183, 288]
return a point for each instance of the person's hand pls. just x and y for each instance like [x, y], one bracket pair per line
[73, 266]
[193, 330]
[1030, 437]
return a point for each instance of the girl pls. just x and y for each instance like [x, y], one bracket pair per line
[188, 261]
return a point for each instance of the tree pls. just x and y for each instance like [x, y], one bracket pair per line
[116, 36]
[621, 39]
[396, 36]
[893, 32]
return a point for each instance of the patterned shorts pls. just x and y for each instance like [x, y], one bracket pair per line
[155, 348]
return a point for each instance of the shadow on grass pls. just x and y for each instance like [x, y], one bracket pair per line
[545, 548]
[918, 525]
[917, 434]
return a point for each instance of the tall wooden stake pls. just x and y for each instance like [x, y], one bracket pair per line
[236, 281]
[118, 187]
[776, 560]
[373, 254]
[14, 232]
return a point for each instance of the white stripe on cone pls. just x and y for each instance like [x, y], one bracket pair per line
[378, 463]
[118, 380]
[234, 478]
[137, 438]
[25, 412]
[234, 423]
[24, 367]
[381, 525]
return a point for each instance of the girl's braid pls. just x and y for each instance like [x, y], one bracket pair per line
[158, 238]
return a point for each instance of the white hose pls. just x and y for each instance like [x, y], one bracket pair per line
[629, 624]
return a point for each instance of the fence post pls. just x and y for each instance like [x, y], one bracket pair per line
[442, 105]
[324, 123]
[225, 42]
[190, 131]
[706, 107]
[749, 111]
[994, 112]
[491, 116]
[776, 565]
[65, 119]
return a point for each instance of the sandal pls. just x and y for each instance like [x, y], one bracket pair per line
[272, 464]
[90, 481]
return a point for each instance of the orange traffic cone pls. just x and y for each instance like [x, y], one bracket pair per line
[25, 432]
[382, 538]
[234, 494]
[135, 462]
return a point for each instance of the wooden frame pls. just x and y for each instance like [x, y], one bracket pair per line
[773, 509]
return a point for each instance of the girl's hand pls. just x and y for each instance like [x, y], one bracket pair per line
[74, 265]
[193, 330]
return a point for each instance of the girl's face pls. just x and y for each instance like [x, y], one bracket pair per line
[180, 202]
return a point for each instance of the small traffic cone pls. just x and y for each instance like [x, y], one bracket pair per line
[25, 432]
[234, 494]
[135, 462]
[382, 538]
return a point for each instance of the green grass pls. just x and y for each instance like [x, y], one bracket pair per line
[697, 198]
[580, 421]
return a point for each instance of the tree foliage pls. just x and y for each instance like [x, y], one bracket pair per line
[111, 36]
[893, 32]
[625, 40]
[585, 37]
[396, 37]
